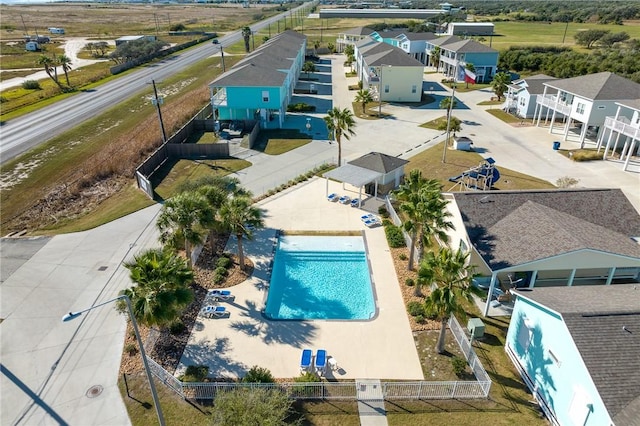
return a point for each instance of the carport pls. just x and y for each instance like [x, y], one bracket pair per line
[353, 175]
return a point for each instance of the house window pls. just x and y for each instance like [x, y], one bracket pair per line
[386, 88]
[521, 101]
[414, 89]
[580, 108]
[265, 96]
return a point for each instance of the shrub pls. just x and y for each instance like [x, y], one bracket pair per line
[223, 262]
[307, 377]
[394, 236]
[584, 155]
[217, 278]
[31, 85]
[131, 349]
[301, 107]
[221, 270]
[253, 407]
[258, 375]
[409, 282]
[195, 373]
[382, 211]
[459, 365]
[402, 256]
[419, 319]
[178, 27]
[3, 99]
[415, 308]
[176, 327]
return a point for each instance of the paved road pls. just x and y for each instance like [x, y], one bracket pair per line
[21, 134]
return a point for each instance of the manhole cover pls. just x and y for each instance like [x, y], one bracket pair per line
[94, 391]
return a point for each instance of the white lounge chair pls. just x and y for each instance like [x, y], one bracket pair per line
[321, 362]
[333, 197]
[345, 199]
[305, 360]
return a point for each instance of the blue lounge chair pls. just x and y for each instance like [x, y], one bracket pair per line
[372, 222]
[333, 197]
[367, 217]
[321, 361]
[222, 295]
[215, 311]
[305, 361]
[355, 202]
[345, 199]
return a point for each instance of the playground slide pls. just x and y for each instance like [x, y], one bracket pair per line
[455, 178]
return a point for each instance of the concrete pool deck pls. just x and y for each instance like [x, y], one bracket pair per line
[381, 348]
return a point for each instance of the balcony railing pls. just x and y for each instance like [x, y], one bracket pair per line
[622, 126]
[553, 103]
[220, 98]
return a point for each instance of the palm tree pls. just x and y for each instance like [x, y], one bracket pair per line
[65, 63]
[185, 216]
[246, 35]
[216, 189]
[316, 45]
[499, 83]
[424, 207]
[451, 274]
[445, 104]
[364, 97]
[308, 67]
[49, 68]
[161, 289]
[340, 122]
[435, 53]
[239, 216]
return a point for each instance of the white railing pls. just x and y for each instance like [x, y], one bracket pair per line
[467, 349]
[220, 98]
[622, 126]
[552, 102]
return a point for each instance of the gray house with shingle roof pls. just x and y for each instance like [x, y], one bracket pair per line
[522, 94]
[583, 103]
[456, 52]
[548, 237]
[578, 351]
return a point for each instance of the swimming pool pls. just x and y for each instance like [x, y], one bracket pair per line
[320, 277]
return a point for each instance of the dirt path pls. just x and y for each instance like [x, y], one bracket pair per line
[71, 48]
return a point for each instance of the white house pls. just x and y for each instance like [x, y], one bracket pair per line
[522, 94]
[584, 102]
[350, 37]
[455, 53]
[622, 130]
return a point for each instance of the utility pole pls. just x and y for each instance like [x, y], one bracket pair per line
[446, 142]
[222, 56]
[157, 101]
[566, 27]
[253, 42]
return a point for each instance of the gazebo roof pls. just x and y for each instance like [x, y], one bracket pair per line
[353, 175]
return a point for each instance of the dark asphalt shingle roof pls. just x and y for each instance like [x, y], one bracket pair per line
[359, 31]
[379, 162]
[631, 103]
[377, 54]
[595, 317]
[467, 46]
[603, 86]
[535, 83]
[513, 227]
[267, 65]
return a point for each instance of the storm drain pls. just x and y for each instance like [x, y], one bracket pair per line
[94, 391]
[102, 268]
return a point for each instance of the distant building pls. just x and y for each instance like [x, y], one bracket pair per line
[56, 30]
[32, 46]
[469, 28]
[127, 39]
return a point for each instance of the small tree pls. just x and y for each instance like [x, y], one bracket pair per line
[258, 375]
[364, 97]
[246, 36]
[309, 67]
[499, 84]
[445, 104]
[331, 47]
[455, 125]
[250, 407]
[588, 37]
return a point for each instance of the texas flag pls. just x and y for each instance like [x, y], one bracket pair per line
[469, 76]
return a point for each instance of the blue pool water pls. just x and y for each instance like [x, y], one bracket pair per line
[320, 277]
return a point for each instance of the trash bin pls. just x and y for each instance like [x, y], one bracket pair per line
[556, 145]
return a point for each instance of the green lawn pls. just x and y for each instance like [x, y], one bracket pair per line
[279, 141]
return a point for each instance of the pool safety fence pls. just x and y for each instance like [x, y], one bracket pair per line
[347, 390]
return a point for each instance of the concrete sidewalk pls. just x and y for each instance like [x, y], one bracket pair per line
[67, 373]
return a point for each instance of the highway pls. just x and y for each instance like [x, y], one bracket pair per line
[28, 131]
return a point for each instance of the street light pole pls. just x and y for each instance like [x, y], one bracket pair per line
[446, 142]
[158, 101]
[73, 315]
[380, 92]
